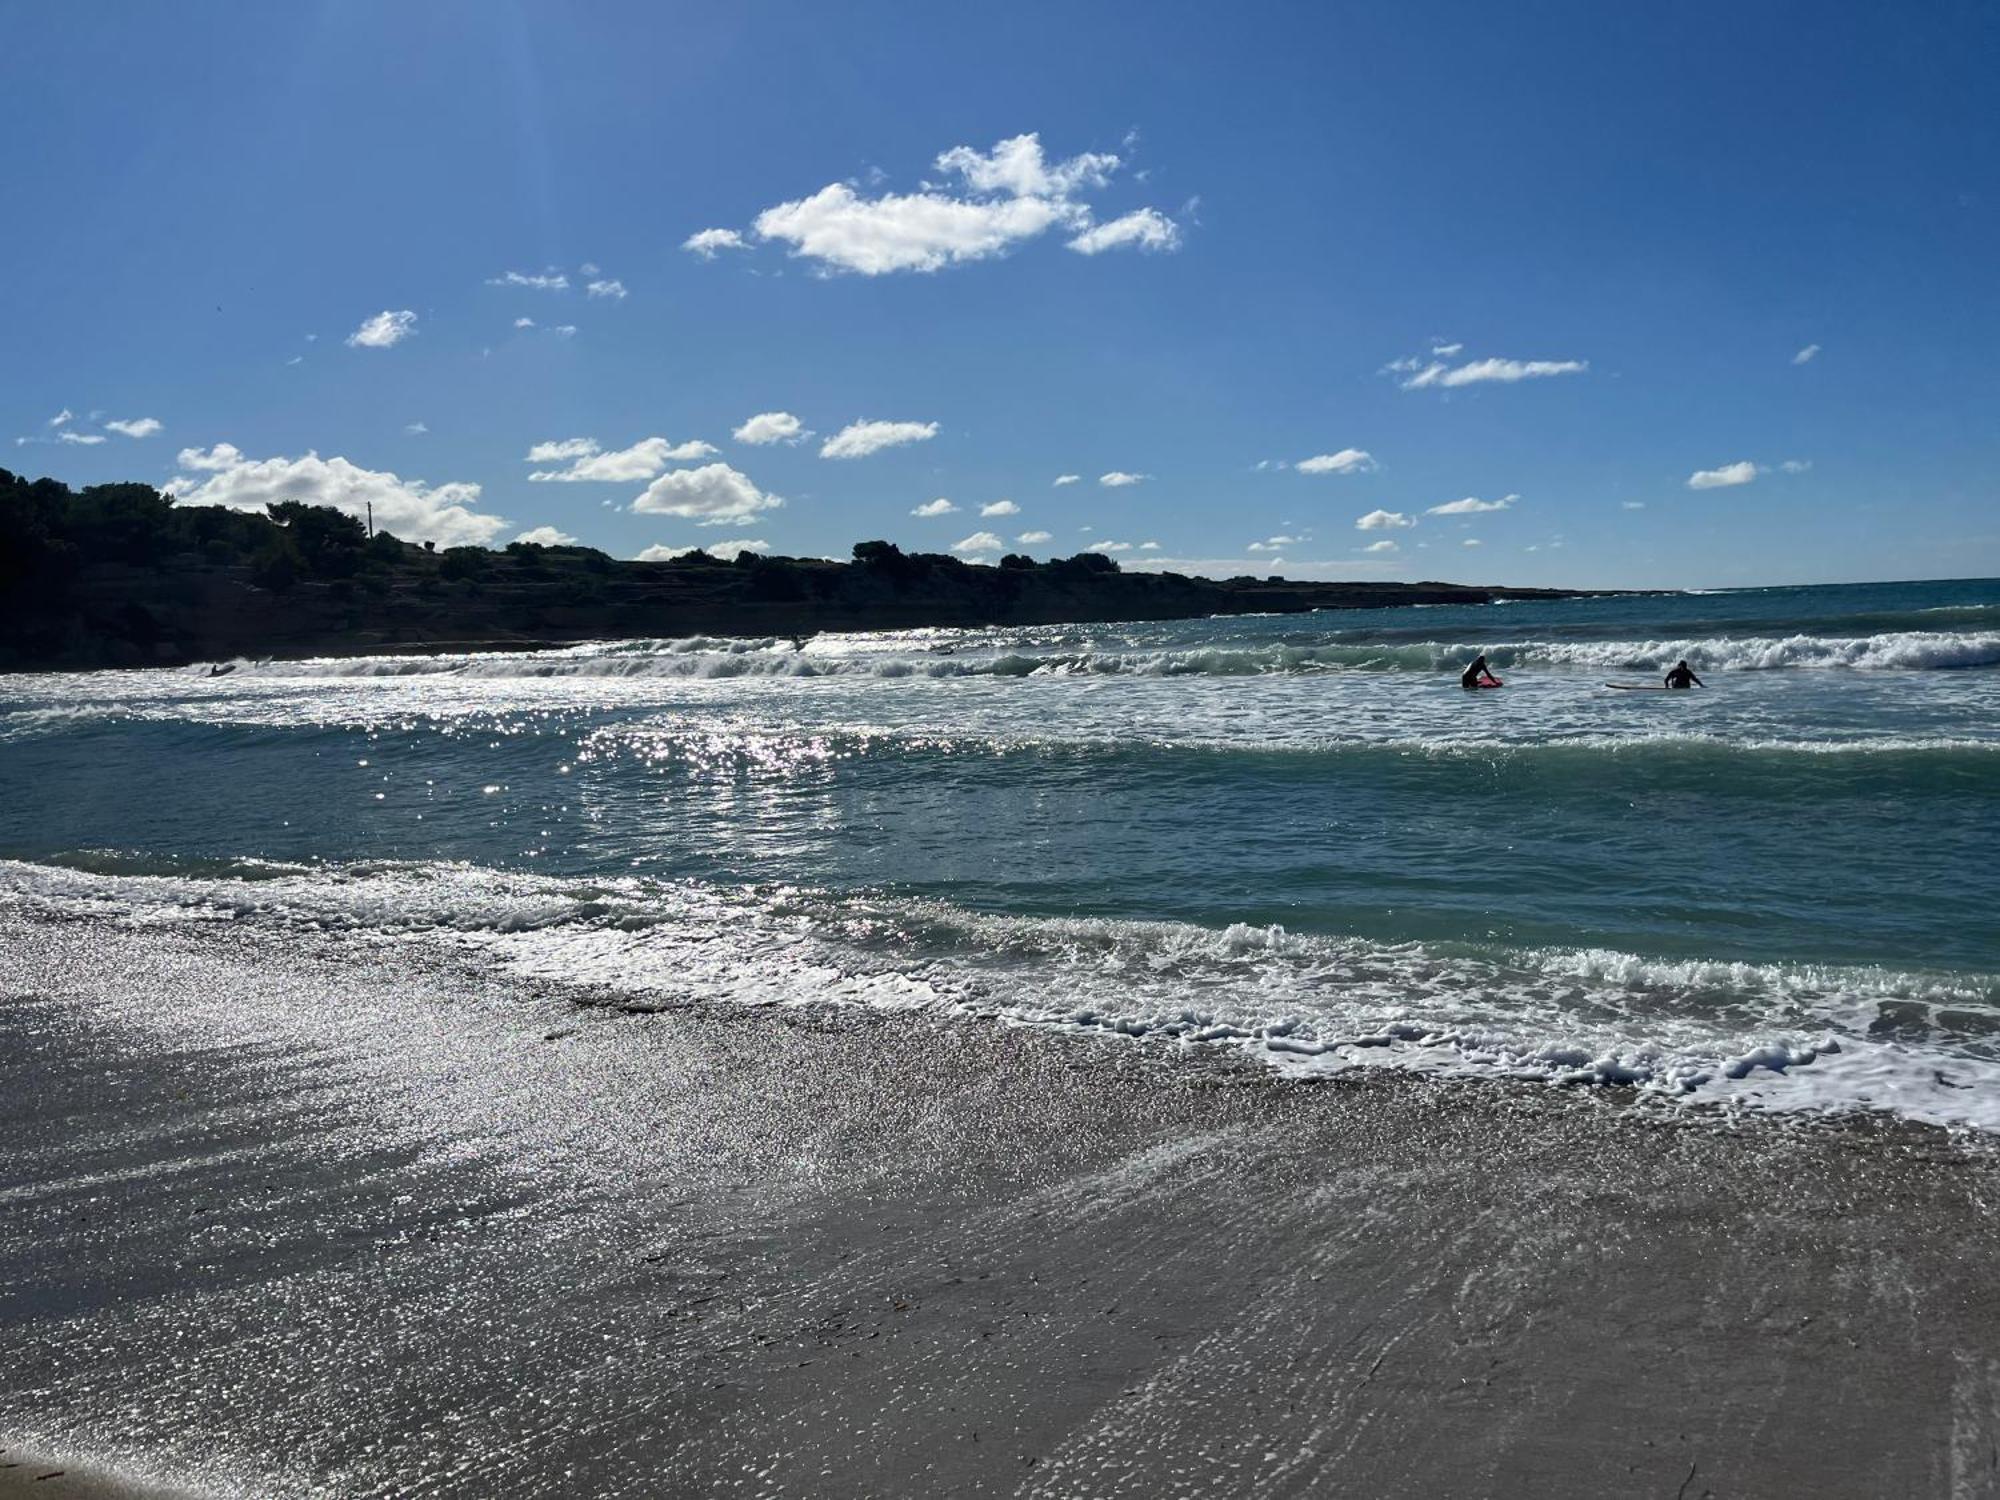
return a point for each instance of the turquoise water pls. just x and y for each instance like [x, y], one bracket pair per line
[1295, 834]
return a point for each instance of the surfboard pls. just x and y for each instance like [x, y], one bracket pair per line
[1638, 687]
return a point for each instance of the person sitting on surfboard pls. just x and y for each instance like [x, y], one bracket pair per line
[1478, 675]
[1682, 676]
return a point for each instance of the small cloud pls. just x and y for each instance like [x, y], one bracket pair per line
[1722, 478]
[564, 330]
[1063, 479]
[547, 536]
[588, 268]
[711, 242]
[1472, 541]
[979, 541]
[1446, 351]
[136, 427]
[1790, 465]
[859, 439]
[714, 495]
[728, 551]
[1109, 547]
[383, 331]
[416, 429]
[1383, 520]
[937, 507]
[1631, 505]
[1144, 229]
[61, 417]
[524, 322]
[1000, 508]
[1346, 461]
[771, 427]
[1118, 479]
[615, 290]
[1030, 538]
[1265, 464]
[1149, 546]
[587, 461]
[1806, 355]
[1419, 376]
[1472, 505]
[296, 359]
[556, 282]
[80, 439]
[1385, 545]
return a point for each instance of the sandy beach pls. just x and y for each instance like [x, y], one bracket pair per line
[317, 1218]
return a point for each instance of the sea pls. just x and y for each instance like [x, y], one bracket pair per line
[1291, 840]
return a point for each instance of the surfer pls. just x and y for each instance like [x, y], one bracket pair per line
[1682, 676]
[1478, 675]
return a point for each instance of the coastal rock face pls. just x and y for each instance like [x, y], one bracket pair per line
[118, 576]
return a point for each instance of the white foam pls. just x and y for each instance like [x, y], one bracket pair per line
[1745, 1035]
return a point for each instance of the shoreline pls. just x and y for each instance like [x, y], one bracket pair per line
[434, 1227]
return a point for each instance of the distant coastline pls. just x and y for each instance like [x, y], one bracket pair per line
[119, 576]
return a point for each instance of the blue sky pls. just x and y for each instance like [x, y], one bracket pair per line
[284, 234]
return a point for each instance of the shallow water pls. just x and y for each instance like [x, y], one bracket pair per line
[1293, 834]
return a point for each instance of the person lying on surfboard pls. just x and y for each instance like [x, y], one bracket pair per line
[1682, 676]
[1478, 675]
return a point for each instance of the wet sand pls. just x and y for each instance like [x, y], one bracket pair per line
[285, 1215]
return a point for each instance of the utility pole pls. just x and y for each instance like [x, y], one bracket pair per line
[371, 520]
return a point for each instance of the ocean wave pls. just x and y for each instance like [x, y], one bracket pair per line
[713, 657]
[1763, 1036]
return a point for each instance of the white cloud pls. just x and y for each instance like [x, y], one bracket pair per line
[1145, 228]
[709, 242]
[1264, 464]
[1001, 198]
[1118, 479]
[564, 330]
[553, 282]
[137, 427]
[1805, 355]
[1030, 538]
[65, 415]
[904, 232]
[1790, 465]
[728, 551]
[1063, 479]
[296, 359]
[1472, 541]
[771, 427]
[1149, 546]
[589, 268]
[1729, 474]
[1000, 508]
[383, 331]
[642, 460]
[937, 507]
[1472, 505]
[979, 541]
[410, 508]
[81, 439]
[615, 290]
[550, 453]
[1346, 461]
[1383, 520]
[713, 495]
[547, 536]
[416, 429]
[1017, 167]
[1439, 375]
[1109, 547]
[859, 439]
[1446, 351]
[1631, 505]
[524, 322]
[1385, 545]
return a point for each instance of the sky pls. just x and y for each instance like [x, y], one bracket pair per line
[1700, 295]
